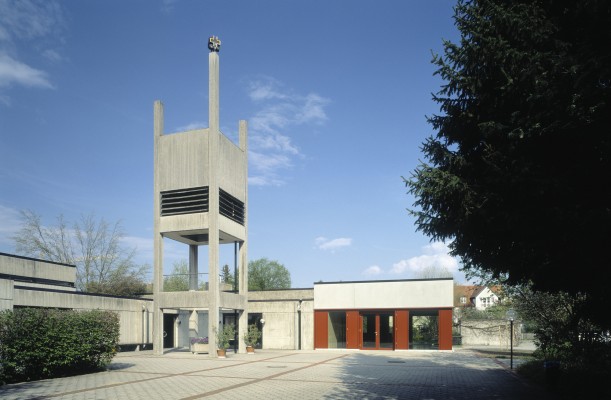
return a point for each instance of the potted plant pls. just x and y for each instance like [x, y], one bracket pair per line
[199, 345]
[223, 337]
[251, 338]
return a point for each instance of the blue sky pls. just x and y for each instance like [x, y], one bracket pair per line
[336, 94]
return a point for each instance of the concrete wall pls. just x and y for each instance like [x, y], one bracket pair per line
[178, 153]
[279, 309]
[38, 272]
[135, 315]
[490, 333]
[232, 161]
[6, 294]
[190, 324]
[39, 283]
[417, 293]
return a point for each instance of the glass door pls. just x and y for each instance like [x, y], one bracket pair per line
[369, 329]
[386, 328]
[377, 331]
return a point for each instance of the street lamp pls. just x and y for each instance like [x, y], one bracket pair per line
[511, 315]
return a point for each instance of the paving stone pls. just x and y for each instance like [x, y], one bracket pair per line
[289, 375]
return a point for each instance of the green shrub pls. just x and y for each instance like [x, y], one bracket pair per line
[46, 343]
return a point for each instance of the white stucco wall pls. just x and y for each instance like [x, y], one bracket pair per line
[434, 293]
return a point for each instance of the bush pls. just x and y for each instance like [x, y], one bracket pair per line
[252, 335]
[47, 343]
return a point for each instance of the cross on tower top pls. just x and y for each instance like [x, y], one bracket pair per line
[214, 43]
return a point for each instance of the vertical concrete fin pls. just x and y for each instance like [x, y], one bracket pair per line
[213, 92]
[157, 239]
[158, 118]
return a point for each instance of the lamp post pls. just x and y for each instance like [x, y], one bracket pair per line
[511, 315]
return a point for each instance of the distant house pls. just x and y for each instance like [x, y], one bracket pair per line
[478, 297]
[484, 297]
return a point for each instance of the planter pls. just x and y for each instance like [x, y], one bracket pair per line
[199, 348]
[221, 353]
[250, 350]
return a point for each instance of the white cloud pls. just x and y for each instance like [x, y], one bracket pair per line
[322, 243]
[15, 72]
[273, 127]
[28, 24]
[373, 270]
[268, 163]
[265, 89]
[168, 5]
[274, 142]
[435, 255]
[261, 180]
[25, 19]
[313, 109]
[52, 55]
[142, 245]
[192, 126]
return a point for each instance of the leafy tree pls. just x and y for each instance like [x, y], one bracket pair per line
[517, 174]
[562, 331]
[103, 264]
[120, 284]
[432, 272]
[178, 280]
[227, 275]
[264, 274]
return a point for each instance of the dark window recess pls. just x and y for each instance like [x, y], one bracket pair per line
[231, 207]
[184, 201]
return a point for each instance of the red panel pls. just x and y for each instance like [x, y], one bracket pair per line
[401, 330]
[445, 329]
[353, 323]
[321, 329]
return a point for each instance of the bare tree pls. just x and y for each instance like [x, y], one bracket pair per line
[93, 246]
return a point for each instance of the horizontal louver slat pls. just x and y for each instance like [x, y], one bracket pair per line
[184, 201]
[231, 207]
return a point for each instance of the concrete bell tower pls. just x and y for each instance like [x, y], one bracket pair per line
[200, 199]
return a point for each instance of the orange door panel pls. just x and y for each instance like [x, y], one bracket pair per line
[402, 329]
[352, 329]
[445, 329]
[321, 330]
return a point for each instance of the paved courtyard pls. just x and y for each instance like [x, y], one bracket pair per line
[289, 375]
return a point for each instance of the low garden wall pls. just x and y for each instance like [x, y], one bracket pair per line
[489, 332]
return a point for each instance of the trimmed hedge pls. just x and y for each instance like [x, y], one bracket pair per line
[37, 343]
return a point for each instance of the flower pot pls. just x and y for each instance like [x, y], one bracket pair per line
[221, 353]
[199, 348]
[250, 350]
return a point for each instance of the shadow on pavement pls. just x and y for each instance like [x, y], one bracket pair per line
[431, 375]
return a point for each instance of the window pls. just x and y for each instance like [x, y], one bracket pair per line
[337, 330]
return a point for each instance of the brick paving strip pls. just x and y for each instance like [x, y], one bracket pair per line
[239, 385]
[163, 376]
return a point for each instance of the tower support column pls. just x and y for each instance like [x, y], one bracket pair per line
[193, 270]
